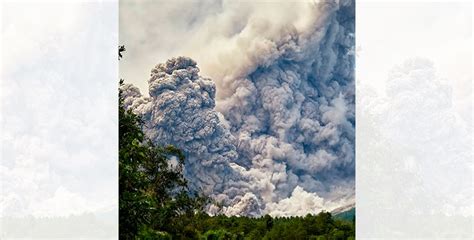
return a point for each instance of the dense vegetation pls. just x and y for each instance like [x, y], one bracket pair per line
[153, 193]
[155, 203]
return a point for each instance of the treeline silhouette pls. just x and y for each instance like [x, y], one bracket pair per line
[321, 226]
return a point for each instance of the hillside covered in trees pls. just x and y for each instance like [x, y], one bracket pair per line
[155, 202]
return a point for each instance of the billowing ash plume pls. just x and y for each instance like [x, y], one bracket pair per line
[180, 111]
[280, 138]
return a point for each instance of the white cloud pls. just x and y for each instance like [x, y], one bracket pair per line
[299, 203]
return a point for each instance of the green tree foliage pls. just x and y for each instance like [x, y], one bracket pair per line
[153, 194]
[322, 226]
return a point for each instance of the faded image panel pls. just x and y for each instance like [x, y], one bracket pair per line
[414, 120]
[258, 97]
[58, 120]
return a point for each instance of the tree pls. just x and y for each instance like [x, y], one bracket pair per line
[269, 222]
[153, 194]
[134, 204]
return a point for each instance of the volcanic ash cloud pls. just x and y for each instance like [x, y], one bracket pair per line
[180, 111]
[283, 128]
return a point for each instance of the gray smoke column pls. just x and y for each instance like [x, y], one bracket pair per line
[280, 137]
